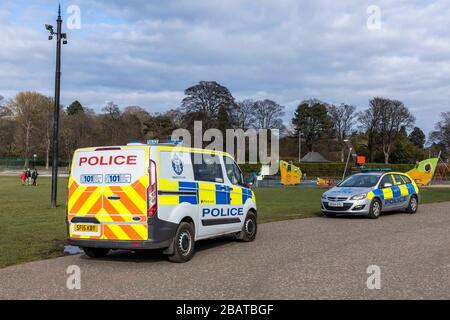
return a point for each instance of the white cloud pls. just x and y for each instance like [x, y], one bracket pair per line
[148, 52]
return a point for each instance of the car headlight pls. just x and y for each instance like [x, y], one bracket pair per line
[324, 196]
[359, 196]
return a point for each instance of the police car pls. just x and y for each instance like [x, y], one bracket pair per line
[370, 193]
[151, 195]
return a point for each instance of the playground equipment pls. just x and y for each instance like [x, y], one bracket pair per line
[442, 174]
[290, 174]
[424, 171]
[324, 182]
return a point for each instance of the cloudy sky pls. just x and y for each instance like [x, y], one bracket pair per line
[147, 52]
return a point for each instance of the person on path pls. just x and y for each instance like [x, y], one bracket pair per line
[34, 176]
[23, 177]
[28, 176]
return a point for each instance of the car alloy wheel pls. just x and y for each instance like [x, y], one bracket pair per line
[376, 209]
[413, 204]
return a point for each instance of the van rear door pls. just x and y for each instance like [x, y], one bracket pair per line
[108, 194]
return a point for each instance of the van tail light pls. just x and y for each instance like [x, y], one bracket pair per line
[152, 191]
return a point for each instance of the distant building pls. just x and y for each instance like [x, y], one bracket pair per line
[313, 157]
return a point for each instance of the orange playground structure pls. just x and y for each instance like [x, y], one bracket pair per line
[290, 174]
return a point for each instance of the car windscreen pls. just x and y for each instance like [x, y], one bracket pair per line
[360, 181]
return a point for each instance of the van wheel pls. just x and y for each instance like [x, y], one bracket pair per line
[413, 205]
[183, 243]
[249, 228]
[375, 209]
[96, 252]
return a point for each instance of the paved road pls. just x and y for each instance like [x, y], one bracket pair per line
[301, 259]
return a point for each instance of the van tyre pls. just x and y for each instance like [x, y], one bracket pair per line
[96, 252]
[183, 243]
[413, 205]
[375, 209]
[249, 229]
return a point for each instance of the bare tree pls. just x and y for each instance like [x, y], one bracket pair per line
[267, 115]
[26, 107]
[393, 115]
[44, 121]
[138, 115]
[342, 118]
[441, 136]
[8, 127]
[368, 120]
[244, 114]
[203, 102]
[110, 120]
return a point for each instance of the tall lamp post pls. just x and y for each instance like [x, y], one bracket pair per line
[59, 36]
[300, 136]
[351, 152]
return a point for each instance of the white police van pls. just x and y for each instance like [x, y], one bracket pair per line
[151, 195]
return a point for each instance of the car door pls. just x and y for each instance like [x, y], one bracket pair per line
[213, 196]
[400, 191]
[238, 192]
[386, 185]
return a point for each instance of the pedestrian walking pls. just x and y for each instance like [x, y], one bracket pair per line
[34, 176]
[23, 177]
[28, 176]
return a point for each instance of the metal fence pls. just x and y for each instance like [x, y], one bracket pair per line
[19, 163]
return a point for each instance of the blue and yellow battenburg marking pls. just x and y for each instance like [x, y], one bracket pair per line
[206, 193]
[393, 192]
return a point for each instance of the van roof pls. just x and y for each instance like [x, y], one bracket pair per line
[164, 147]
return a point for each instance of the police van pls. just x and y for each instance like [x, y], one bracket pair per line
[151, 195]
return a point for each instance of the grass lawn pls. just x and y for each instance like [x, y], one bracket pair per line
[31, 230]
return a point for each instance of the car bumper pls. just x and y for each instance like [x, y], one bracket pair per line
[160, 236]
[350, 207]
[124, 245]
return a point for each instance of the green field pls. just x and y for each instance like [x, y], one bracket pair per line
[31, 230]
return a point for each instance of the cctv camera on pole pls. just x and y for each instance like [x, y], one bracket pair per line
[59, 36]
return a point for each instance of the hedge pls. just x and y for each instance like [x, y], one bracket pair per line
[329, 169]
[18, 163]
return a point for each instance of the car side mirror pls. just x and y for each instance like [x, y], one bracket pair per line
[387, 185]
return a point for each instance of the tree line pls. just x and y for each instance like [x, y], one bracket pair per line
[383, 132]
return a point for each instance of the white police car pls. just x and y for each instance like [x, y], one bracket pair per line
[144, 196]
[371, 193]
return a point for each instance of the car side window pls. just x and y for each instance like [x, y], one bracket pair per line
[386, 179]
[406, 179]
[233, 171]
[207, 167]
[398, 179]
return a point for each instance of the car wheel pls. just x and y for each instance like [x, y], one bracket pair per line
[96, 252]
[249, 229]
[413, 205]
[184, 243]
[375, 209]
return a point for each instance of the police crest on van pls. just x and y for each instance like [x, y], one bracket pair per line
[177, 165]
